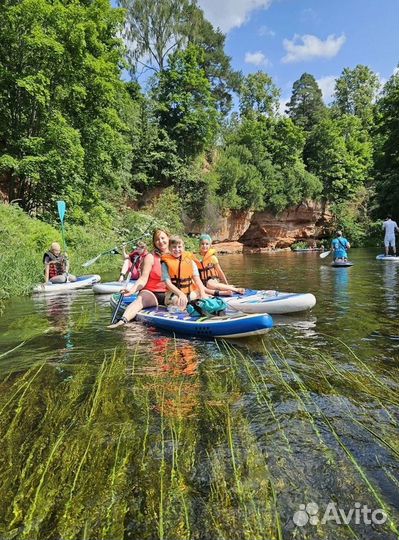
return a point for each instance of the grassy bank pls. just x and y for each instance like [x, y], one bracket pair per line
[24, 241]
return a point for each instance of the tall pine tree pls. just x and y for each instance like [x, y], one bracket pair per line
[306, 107]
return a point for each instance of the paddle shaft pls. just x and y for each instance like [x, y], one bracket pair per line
[95, 259]
[120, 299]
[61, 206]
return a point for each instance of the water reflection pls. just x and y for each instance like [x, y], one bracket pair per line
[341, 284]
[58, 312]
[390, 288]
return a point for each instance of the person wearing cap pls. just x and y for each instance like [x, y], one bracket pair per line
[390, 227]
[339, 247]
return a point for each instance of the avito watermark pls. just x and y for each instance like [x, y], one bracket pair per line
[358, 513]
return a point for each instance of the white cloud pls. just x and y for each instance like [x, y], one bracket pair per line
[231, 13]
[327, 87]
[308, 47]
[257, 58]
[266, 31]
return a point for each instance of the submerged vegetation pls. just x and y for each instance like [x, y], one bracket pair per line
[166, 444]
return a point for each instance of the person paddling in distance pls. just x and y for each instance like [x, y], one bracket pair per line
[133, 261]
[150, 286]
[390, 227]
[56, 265]
[210, 271]
[181, 276]
[339, 246]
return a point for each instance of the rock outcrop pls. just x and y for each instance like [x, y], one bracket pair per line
[304, 222]
[262, 231]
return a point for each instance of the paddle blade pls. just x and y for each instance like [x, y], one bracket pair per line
[61, 209]
[324, 254]
[92, 261]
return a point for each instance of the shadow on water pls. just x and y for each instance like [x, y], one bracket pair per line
[136, 434]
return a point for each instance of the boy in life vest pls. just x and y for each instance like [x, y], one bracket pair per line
[132, 262]
[56, 265]
[181, 276]
[210, 271]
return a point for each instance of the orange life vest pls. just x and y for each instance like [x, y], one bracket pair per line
[206, 269]
[180, 271]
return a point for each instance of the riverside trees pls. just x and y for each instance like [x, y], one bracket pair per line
[71, 127]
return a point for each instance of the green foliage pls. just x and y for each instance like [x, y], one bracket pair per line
[167, 210]
[306, 107]
[300, 245]
[387, 149]
[217, 64]
[185, 106]
[355, 93]
[61, 97]
[340, 154]
[258, 94]
[156, 28]
[25, 239]
[155, 160]
[261, 165]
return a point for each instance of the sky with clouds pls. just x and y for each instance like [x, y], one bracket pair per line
[286, 38]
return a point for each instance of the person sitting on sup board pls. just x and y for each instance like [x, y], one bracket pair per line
[133, 261]
[181, 276]
[56, 265]
[150, 287]
[210, 271]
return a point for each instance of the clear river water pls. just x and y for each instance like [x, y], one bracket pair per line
[133, 433]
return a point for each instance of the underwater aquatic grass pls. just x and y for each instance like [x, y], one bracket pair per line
[371, 487]
[141, 446]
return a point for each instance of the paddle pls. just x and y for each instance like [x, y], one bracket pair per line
[61, 212]
[120, 299]
[324, 254]
[61, 206]
[114, 250]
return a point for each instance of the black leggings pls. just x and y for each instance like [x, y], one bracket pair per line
[160, 296]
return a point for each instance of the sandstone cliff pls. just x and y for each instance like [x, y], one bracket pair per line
[264, 230]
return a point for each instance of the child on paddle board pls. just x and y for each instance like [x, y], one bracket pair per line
[339, 246]
[181, 276]
[132, 262]
[56, 265]
[210, 271]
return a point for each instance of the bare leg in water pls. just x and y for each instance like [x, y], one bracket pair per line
[145, 299]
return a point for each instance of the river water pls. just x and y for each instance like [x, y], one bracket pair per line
[133, 433]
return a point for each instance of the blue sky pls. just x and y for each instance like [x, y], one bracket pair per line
[286, 38]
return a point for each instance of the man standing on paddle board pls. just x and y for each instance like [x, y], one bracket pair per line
[390, 227]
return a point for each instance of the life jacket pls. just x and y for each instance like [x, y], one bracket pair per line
[206, 269]
[154, 282]
[180, 271]
[136, 259]
[56, 265]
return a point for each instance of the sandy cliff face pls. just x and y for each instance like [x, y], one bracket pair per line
[265, 230]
